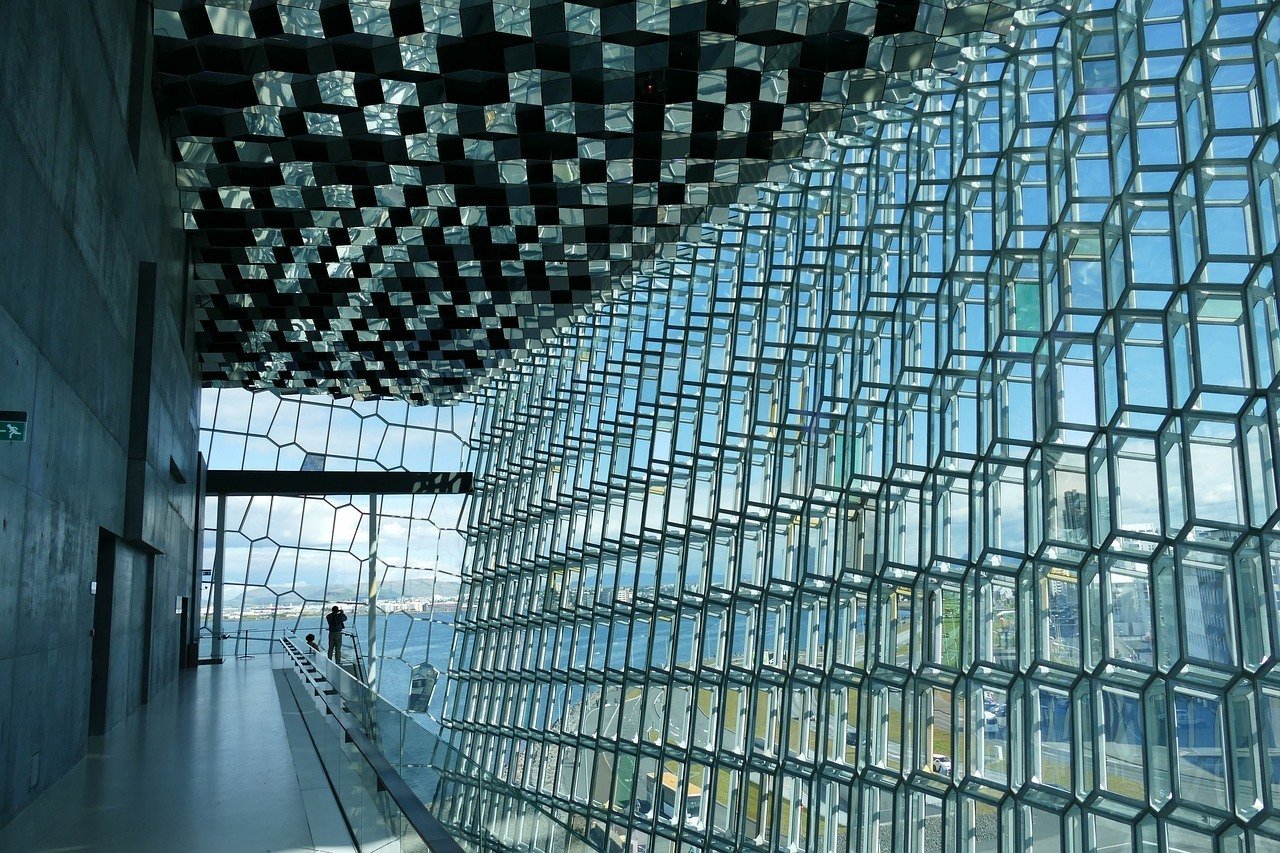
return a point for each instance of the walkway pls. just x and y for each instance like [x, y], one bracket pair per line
[216, 764]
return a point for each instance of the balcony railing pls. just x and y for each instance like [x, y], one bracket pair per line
[428, 794]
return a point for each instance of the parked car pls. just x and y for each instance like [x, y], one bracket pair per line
[996, 721]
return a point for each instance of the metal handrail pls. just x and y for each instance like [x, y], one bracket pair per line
[433, 833]
[357, 658]
[360, 697]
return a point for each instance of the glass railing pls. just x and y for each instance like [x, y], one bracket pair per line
[382, 813]
[480, 811]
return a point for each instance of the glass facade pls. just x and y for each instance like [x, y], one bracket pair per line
[397, 197]
[930, 503]
[288, 559]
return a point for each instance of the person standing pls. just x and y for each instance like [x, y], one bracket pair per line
[336, 619]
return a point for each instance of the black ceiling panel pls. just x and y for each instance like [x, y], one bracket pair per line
[391, 198]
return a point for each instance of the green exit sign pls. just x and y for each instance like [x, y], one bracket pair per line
[13, 426]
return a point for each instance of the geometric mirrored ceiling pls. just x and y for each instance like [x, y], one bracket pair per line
[391, 198]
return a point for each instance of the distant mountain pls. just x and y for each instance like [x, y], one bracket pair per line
[390, 591]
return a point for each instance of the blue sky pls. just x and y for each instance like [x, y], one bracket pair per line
[323, 539]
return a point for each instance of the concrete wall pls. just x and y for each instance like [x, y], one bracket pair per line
[128, 633]
[77, 219]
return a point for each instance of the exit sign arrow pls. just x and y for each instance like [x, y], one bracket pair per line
[13, 426]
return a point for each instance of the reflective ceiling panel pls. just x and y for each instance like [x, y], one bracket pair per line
[396, 198]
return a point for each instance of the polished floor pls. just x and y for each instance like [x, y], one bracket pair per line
[221, 763]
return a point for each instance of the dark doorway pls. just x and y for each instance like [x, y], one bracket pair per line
[148, 627]
[103, 596]
[185, 658]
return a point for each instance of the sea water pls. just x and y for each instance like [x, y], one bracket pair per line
[405, 640]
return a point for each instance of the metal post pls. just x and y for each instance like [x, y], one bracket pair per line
[372, 613]
[194, 608]
[219, 552]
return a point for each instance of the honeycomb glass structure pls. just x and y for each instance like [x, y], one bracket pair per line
[396, 197]
[288, 559]
[929, 503]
